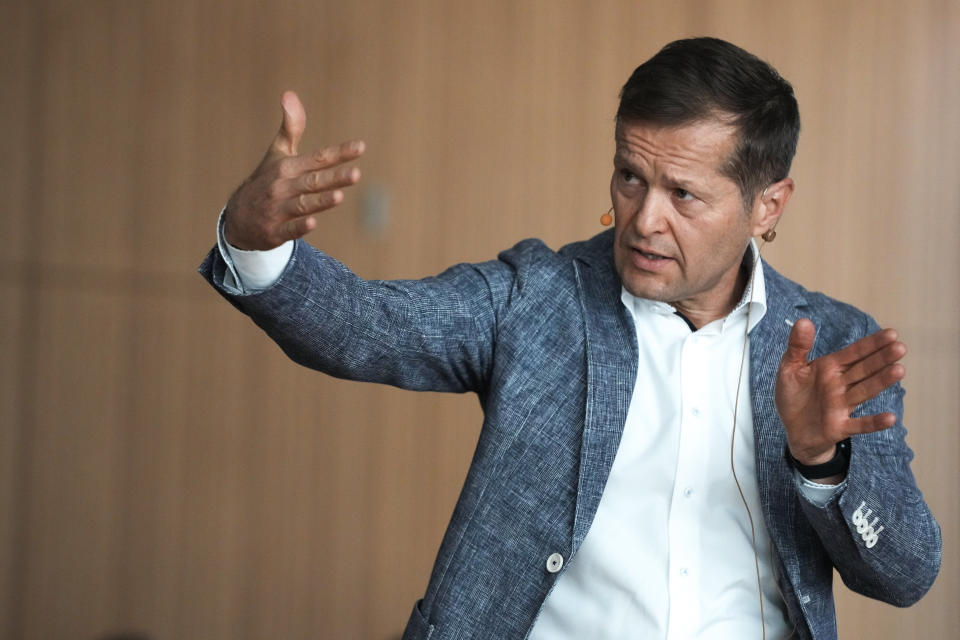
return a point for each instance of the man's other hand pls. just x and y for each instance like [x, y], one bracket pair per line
[278, 201]
[815, 399]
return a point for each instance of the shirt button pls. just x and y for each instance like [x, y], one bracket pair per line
[684, 571]
[696, 413]
[554, 562]
[687, 492]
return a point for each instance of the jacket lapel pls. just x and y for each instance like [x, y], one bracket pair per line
[611, 372]
[768, 341]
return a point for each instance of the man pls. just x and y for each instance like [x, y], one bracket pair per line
[678, 441]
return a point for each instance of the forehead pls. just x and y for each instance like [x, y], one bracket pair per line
[701, 147]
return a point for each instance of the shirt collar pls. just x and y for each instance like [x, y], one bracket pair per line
[753, 300]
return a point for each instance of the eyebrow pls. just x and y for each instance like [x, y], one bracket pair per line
[686, 185]
[623, 161]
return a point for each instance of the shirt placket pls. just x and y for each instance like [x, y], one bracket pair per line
[684, 523]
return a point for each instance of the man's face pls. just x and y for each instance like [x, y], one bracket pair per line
[681, 229]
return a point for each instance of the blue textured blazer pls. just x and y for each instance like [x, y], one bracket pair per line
[543, 339]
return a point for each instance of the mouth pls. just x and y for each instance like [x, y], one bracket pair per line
[651, 256]
[648, 260]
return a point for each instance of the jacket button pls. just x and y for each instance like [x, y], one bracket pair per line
[554, 562]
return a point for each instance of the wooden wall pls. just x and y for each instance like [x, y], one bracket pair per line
[164, 468]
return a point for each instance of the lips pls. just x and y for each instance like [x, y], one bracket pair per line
[648, 260]
[650, 256]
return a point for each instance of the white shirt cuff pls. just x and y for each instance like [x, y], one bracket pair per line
[253, 270]
[818, 494]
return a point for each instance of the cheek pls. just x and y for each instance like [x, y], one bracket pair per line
[618, 251]
[621, 220]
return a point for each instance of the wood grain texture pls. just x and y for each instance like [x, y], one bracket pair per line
[166, 469]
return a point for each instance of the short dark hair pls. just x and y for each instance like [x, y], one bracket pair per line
[702, 78]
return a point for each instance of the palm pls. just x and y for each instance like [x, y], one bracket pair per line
[815, 399]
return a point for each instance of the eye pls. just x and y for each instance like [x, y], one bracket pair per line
[683, 194]
[629, 176]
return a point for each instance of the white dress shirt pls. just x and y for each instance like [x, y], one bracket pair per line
[669, 553]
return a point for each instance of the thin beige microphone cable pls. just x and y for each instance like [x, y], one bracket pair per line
[733, 435]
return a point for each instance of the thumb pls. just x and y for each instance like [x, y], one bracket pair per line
[292, 127]
[799, 343]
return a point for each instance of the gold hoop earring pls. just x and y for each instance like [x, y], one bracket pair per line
[769, 235]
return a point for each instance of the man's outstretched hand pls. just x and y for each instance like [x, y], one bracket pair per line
[279, 199]
[815, 399]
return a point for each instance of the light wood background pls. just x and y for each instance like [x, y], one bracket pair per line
[163, 467]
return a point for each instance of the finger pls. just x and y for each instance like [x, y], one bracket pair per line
[799, 343]
[325, 158]
[309, 203]
[870, 387]
[864, 347]
[324, 180]
[875, 362]
[870, 424]
[296, 228]
[291, 128]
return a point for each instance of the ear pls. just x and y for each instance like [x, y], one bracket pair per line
[770, 204]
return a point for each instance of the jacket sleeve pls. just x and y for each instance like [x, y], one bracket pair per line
[879, 531]
[435, 334]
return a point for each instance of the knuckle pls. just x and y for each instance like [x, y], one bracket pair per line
[323, 156]
[315, 180]
[302, 204]
[295, 229]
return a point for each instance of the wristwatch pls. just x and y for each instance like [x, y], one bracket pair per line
[836, 466]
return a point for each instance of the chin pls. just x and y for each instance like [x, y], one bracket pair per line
[641, 288]
[651, 286]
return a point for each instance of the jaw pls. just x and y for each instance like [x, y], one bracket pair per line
[646, 277]
[646, 271]
[665, 280]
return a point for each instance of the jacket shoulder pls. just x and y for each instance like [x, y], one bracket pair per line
[597, 250]
[532, 263]
[838, 323]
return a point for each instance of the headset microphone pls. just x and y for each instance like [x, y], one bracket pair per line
[607, 218]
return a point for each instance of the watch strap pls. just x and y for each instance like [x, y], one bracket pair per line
[835, 466]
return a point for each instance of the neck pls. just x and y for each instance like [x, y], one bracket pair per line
[698, 315]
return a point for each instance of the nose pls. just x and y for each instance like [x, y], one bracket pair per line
[650, 217]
